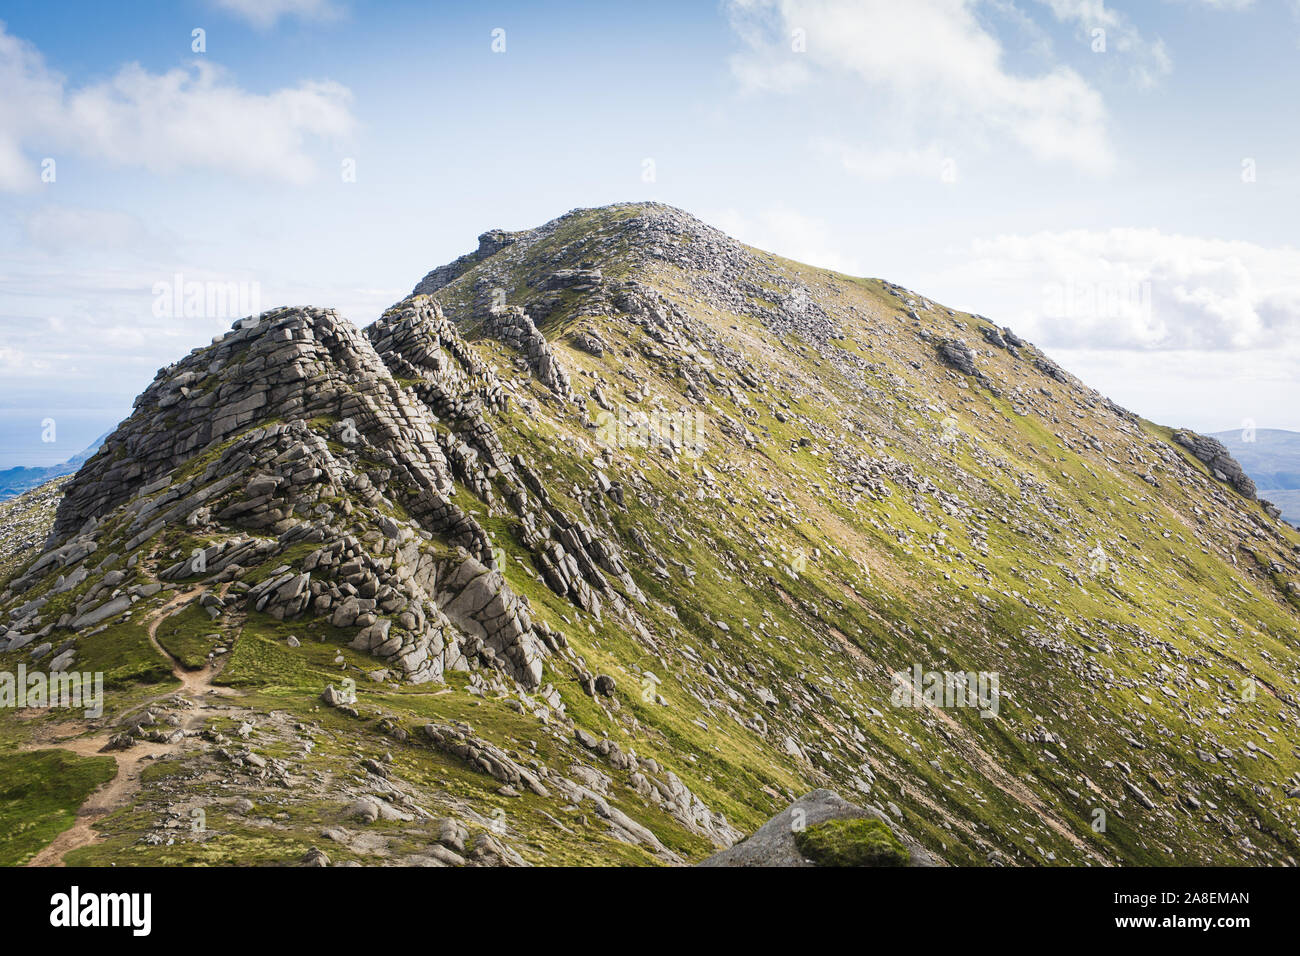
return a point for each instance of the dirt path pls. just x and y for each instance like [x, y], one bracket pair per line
[196, 686]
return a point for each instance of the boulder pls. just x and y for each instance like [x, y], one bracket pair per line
[774, 843]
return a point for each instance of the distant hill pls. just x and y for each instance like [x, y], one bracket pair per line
[1271, 457]
[14, 481]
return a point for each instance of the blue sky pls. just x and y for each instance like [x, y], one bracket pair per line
[1130, 204]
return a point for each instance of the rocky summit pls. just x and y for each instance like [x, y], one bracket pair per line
[618, 539]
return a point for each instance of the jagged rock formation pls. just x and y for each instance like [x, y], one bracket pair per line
[417, 608]
[616, 536]
[1222, 464]
[959, 355]
[514, 327]
[490, 243]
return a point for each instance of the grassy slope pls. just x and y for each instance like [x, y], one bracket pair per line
[1166, 604]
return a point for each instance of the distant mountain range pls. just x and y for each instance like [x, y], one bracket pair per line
[14, 481]
[1271, 456]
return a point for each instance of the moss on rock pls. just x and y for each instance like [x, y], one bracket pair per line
[851, 843]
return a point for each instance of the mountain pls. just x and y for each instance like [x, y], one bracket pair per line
[616, 539]
[1271, 456]
[14, 481]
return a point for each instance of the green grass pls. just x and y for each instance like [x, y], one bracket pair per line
[189, 636]
[851, 843]
[40, 792]
[123, 653]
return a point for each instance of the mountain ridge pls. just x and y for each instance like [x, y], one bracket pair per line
[665, 516]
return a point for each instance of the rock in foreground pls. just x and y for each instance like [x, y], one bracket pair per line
[775, 842]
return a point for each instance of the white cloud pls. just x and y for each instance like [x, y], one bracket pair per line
[93, 318]
[59, 228]
[1223, 4]
[1204, 390]
[876, 165]
[266, 13]
[1140, 289]
[32, 95]
[931, 58]
[186, 118]
[787, 233]
[12, 361]
[1149, 59]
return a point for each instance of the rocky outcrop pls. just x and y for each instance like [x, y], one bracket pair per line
[296, 434]
[489, 244]
[959, 355]
[513, 326]
[1221, 464]
[994, 337]
[773, 844]
[1051, 369]
[459, 741]
[290, 364]
[590, 342]
[297, 426]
